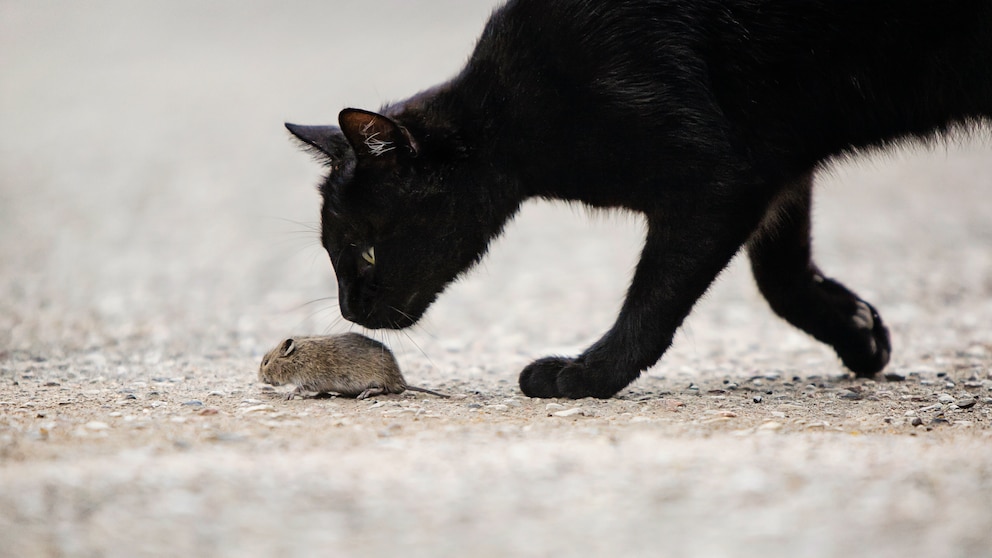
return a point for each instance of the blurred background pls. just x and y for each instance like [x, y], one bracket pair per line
[147, 186]
[151, 200]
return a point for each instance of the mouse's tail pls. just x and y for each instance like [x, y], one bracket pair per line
[427, 391]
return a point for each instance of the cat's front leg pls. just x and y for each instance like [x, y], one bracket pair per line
[683, 253]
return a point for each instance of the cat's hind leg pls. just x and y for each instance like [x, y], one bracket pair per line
[781, 260]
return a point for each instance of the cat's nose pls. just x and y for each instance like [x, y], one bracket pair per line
[347, 309]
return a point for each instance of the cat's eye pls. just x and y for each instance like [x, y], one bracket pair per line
[369, 255]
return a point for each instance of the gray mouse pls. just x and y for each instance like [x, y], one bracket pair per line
[350, 364]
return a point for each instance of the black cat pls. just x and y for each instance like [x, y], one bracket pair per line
[710, 117]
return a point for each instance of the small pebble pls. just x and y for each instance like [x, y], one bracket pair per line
[574, 411]
[850, 395]
[551, 407]
[97, 425]
[193, 403]
[917, 421]
[946, 399]
[966, 403]
[895, 377]
[757, 399]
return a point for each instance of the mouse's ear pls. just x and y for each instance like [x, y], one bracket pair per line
[288, 346]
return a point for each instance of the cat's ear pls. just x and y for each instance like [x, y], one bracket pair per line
[326, 142]
[376, 138]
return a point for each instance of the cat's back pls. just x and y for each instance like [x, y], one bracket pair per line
[808, 77]
[762, 29]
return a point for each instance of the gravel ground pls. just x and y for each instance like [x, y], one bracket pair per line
[157, 237]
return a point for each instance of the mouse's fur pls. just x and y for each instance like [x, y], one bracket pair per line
[350, 364]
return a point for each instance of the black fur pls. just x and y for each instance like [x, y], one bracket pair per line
[709, 117]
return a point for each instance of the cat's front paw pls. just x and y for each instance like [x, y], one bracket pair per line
[565, 377]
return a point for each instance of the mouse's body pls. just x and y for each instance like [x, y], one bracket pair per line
[350, 364]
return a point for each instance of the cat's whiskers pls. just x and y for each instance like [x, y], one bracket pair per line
[334, 324]
[311, 315]
[312, 227]
[315, 301]
[410, 338]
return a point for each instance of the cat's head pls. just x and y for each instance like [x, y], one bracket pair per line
[401, 215]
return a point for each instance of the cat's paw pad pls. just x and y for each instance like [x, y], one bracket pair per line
[863, 316]
[564, 377]
[868, 348]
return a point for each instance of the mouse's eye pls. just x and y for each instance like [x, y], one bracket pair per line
[369, 255]
[265, 362]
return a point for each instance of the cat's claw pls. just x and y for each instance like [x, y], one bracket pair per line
[565, 377]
